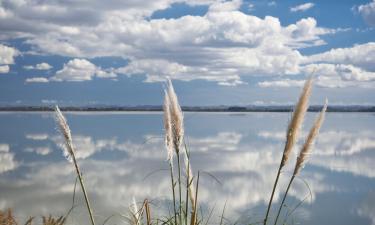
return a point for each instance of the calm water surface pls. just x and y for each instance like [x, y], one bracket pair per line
[122, 156]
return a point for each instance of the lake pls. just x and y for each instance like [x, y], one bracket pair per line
[122, 155]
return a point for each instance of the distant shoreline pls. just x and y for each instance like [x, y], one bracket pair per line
[285, 108]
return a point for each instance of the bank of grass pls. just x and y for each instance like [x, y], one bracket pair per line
[183, 180]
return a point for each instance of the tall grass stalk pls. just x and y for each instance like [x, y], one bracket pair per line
[169, 145]
[65, 131]
[304, 152]
[176, 133]
[194, 215]
[179, 188]
[189, 178]
[189, 183]
[292, 134]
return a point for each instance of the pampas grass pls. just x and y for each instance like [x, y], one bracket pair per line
[174, 132]
[65, 131]
[307, 147]
[304, 152]
[292, 134]
[169, 144]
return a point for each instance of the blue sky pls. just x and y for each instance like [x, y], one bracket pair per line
[217, 52]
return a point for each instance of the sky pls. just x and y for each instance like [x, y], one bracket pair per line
[114, 52]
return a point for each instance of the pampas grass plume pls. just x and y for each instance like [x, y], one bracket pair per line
[307, 147]
[176, 117]
[297, 120]
[168, 127]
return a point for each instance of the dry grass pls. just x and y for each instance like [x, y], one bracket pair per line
[307, 147]
[7, 218]
[296, 121]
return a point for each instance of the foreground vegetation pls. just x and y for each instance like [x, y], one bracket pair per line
[184, 183]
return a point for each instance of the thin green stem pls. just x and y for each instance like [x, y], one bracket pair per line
[273, 192]
[83, 188]
[282, 202]
[173, 193]
[179, 186]
[187, 189]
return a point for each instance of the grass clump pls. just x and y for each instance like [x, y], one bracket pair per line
[7, 218]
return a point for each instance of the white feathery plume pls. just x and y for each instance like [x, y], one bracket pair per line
[168, 128]
[135, 211]
[176, 117]
[297, 120]
[307, 147]
[65, 131]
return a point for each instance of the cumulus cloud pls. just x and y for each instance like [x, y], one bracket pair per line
[37, 137]
[281, 83]
[36, 80]
[336, 68]
[4, 69]
[39, 150]
[80, 70]
[39, 66]
[7, 54]
[367, 11]
[74, 70]
[302, 7]
[223, 45]
[360, 55]
[4, 148]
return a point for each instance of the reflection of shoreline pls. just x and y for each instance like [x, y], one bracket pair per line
[157, 108]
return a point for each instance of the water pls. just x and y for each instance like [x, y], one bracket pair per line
[122, 155]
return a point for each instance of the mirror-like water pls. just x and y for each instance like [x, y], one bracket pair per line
[122, 155]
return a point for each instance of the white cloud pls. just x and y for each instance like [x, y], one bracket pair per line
[7, 54]
[224, 45]
[226, 5]
[36, 80]
[4, 148]
[368, 12]
[49, 101]
[37, 137]
[76, 70]
[39, 66]
[302, 7]
[361, 55]
[281, 83]
[221, 46]
[39, 150]
[4, 69]
[80, 70]
[336, 68]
